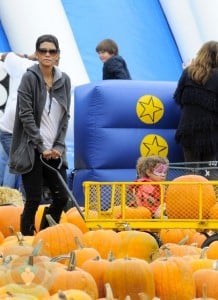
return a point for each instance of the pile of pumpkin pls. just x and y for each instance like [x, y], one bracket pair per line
[70, 262]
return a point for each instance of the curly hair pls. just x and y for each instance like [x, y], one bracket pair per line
[149, 163]
[205, 62]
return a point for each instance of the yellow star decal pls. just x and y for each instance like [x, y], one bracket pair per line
[149, 109]
[154, 145]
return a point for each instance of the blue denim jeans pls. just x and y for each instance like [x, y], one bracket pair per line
[6, 178]
[5, 140]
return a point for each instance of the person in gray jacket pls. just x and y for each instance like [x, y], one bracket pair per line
[42, 114]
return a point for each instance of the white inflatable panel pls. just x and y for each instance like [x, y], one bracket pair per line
[185, 28]
[25, 20]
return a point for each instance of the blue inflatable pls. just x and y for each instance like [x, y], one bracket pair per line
[115, 122]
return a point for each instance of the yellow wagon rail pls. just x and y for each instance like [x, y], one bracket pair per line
[107, 204]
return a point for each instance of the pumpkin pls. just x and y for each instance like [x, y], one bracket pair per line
[37, 291]
[10, 217]
[137, 244]
[214, 212]
[24, 270]
[71, 294]
[74, 217]
[2, 238]
[39, 214]
[198, 238]
[173, 249]
[183, 197]
[212, 251]
[73, 278]
[176, 235]
[209, 278]
[109, 293]
[139, 212]
[15, 296]
[84, 253]
[96, 267]
[201, 263]
[103, 240]
[130, 276]
[17, 244]
[173, 278]
[58, 239]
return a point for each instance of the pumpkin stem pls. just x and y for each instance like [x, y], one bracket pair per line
[72, 261]
[6, 260]
[108, 291]
[204, 291]
[215, 265]
[30, 260]
[37, 248]
[96, 258]
[166, 251]
[11, 230]
[50, 220]
[142, 296]
[111, 257]
[78, 243]
[59, 257]
[183, 241]
[20, 238]
[203, 252]
[62, 296]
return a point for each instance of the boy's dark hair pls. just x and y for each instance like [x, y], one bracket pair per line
[47, 38]
[107, 45]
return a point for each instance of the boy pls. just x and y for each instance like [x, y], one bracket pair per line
[114, 66]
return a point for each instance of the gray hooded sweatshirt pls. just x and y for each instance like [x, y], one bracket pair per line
[31, 99]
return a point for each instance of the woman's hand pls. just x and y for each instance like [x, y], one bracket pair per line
[47, 154]
[55, 154]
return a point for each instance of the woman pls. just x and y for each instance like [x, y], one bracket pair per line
[41, 121]
[197, 95]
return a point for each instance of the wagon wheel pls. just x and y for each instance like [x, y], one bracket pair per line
[210, 240]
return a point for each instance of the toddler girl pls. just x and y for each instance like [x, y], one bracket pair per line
[150, 169]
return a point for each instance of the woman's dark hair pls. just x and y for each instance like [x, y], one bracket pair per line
[107, 45]
[47, 38]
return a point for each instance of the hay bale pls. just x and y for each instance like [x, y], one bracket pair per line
[10, 196]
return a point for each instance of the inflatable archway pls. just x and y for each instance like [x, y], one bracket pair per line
[115, 122]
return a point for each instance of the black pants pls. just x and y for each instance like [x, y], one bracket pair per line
[33, 185]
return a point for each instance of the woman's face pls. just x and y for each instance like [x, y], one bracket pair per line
[47, 54]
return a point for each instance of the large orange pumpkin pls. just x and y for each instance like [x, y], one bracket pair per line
[96, 267]
[74, 217]
[173, 278]
[58, 239]
[73, 278]
[137, 244]
[209, 278]
[183, 197]
[103, 240]
[176, 235]
[130, 276]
